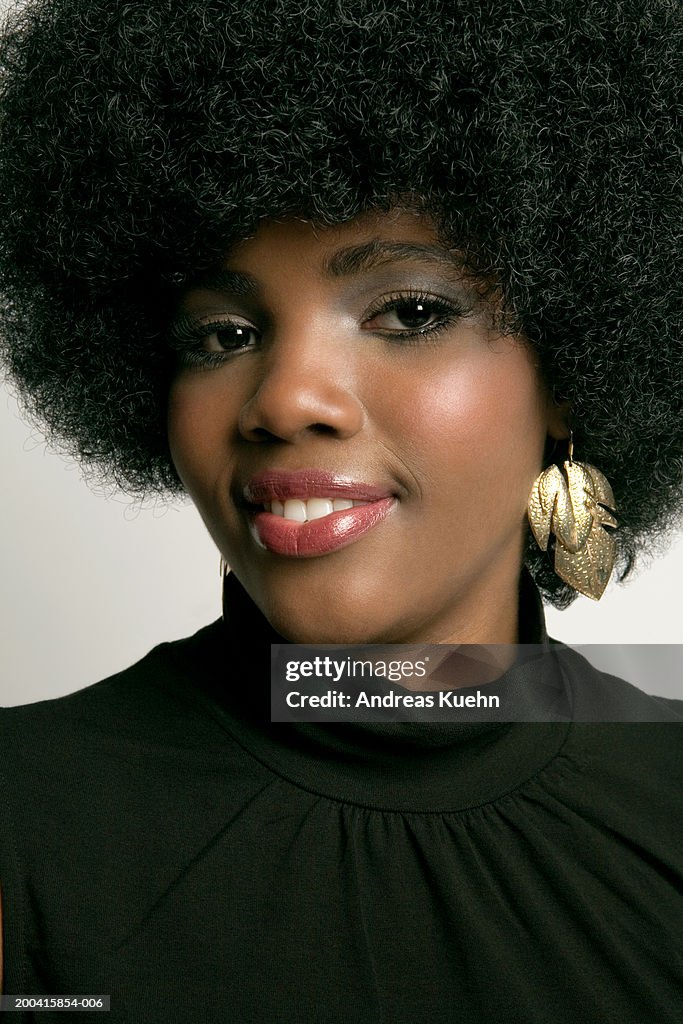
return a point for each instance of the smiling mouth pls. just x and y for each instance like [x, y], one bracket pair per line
[307, 513]
[304, 510]
[318, 535]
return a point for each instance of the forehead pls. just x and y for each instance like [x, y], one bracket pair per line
[400, 247]
[363, 243]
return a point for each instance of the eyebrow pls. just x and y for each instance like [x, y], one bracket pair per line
[222, 280]
[354, 259]
[346, 262]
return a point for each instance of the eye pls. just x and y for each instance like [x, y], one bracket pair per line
[211, 342]
[408, 315]
[225, 336]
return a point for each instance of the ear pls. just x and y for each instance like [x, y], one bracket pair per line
[557, 418]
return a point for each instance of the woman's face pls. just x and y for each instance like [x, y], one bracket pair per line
[355, 365]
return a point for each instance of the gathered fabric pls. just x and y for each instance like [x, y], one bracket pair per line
[162, 841]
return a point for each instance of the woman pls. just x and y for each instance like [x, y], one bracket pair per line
[289, 256]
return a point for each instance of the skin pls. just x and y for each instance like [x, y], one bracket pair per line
[453, 422]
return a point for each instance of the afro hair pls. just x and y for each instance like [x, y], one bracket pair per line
[139, 139]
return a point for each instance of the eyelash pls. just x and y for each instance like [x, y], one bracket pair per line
[449, 312]
[186, 335]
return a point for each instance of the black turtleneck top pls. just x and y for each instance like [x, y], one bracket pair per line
[164, 843]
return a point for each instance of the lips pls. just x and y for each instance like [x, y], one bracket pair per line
[279, 485]
[319, 536]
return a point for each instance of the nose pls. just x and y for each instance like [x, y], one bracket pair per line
[304, 386]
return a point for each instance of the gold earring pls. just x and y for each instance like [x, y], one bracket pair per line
[576, 509]
[223, 570]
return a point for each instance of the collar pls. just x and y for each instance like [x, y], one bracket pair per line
[402, 766]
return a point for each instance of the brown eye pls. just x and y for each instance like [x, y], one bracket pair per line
[227, 337]
[412, 315]
[406, 315]
[211, 342]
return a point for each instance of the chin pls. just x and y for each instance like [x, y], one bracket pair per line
[310, 607]
[320, 622]
[331, 629]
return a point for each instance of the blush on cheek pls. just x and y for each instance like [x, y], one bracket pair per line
[491, 403]
[490, 412]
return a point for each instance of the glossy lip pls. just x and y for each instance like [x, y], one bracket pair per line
[279, 485]
[317, 536]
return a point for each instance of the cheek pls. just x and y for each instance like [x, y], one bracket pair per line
[481, 423]
[196, 428]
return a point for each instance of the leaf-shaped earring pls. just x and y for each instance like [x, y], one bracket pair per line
[576, 507]
[223, 570]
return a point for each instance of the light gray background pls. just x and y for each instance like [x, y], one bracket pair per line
[90, 582]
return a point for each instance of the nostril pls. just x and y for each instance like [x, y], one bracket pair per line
[261, 434]
[284, 409]
[322, 428]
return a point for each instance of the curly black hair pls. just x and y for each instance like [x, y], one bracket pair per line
[139, 138]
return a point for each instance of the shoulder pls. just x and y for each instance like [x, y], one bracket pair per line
[141, 702]
[109, 793]
[134, 751]
[625, 742]
[161, 663]
[598, 696]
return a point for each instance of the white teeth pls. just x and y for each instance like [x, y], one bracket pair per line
[295, 510]
[299, 511]
[316, 508]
